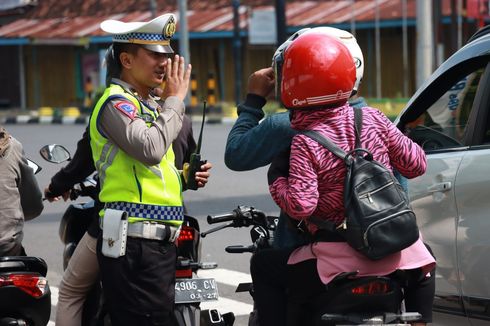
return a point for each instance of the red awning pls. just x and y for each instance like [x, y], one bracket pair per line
[298, 14]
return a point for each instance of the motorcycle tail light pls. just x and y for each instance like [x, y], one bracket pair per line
[183, 273]
[34, 285]
[375, 287]
[186, 235]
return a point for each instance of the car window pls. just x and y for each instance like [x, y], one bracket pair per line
[445, 123]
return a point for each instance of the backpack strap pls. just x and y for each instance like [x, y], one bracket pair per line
[358, 126]
[337, 151]
[325, 142]
[323, 224]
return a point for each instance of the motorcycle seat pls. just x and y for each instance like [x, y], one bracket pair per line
[21, 263]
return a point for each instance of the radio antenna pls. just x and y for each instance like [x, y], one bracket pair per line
[199, 141]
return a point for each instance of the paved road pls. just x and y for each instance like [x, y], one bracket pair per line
[225, 191]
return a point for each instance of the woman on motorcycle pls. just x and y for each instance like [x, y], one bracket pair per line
[20, 196]
[318, 75]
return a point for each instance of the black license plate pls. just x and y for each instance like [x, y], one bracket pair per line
[195, 290]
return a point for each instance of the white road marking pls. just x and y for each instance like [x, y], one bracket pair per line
[225, 276]
[54, 295]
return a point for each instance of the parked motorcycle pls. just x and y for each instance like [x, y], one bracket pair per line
[25, 298]
[190, 290]
[350, 300]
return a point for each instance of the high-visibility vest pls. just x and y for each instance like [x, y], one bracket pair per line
[154, 192]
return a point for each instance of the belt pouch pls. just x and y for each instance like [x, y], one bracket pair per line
[114, 233]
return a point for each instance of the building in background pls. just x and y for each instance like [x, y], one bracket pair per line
[50, 48]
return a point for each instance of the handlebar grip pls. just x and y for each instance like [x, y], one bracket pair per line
[239, 249]
[221, 218]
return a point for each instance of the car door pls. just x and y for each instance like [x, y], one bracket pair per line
[472, 191]
[440, 118]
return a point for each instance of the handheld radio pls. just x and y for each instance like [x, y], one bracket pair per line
[195, 159]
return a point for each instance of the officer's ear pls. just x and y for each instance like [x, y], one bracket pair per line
[126, 59]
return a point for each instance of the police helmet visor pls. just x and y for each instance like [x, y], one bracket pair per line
[158, 48]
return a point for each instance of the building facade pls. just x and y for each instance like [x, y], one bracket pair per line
[51, 53]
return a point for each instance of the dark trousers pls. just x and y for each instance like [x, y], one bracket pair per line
[139, 287]
[283, 292]
[280, 290]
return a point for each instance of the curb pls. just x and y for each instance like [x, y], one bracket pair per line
[27, 119]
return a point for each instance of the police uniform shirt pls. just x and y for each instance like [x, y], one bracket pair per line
[130, 132]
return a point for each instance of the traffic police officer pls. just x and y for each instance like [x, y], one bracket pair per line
[131, 137]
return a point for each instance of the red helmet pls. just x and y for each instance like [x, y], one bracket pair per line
[318, 70]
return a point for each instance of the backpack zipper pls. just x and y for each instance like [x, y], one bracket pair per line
[366, 242]
[370, 193]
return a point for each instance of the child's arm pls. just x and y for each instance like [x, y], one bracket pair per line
[297, 194]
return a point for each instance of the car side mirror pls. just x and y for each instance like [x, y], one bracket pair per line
[55, 153]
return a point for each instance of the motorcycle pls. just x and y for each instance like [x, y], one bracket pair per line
[24, 291]
[190, 290]
[349, 300]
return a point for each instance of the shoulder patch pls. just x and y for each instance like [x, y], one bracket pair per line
[127, 108]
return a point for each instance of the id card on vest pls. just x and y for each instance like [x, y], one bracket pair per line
[114, 233]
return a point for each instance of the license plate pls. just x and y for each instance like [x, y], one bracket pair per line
[195, 290]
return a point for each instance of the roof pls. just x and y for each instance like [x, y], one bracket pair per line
[40, 26]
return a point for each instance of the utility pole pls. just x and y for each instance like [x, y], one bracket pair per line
[454, 26]
[22, 79]
[377, 41]
[460, 23]
[352, 18]
[406, 73]
[184, 37]
[281, 21]
[183, 31]
[424, 40]
[153, 8]
[237, 50]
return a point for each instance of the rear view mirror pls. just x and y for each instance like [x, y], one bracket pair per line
[55, 153]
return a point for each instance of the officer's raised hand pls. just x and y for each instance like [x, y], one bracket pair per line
[177, 78]
[261, 82]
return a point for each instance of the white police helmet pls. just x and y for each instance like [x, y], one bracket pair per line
[351, 43]
[153, 35]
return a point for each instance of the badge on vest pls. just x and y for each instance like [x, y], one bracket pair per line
[127, 108]
[114, 233]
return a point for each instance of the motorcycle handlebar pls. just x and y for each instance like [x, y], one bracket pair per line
[239, 249]
[221, 218]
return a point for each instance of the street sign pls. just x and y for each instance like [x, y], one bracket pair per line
[262, 27]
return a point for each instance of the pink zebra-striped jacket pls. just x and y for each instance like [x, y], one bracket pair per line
[316, 180]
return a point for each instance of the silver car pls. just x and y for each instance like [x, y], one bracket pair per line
[449, 116]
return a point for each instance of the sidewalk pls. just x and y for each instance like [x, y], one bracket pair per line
[45, 115]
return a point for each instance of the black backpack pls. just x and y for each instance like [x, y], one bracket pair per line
[378, 218]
